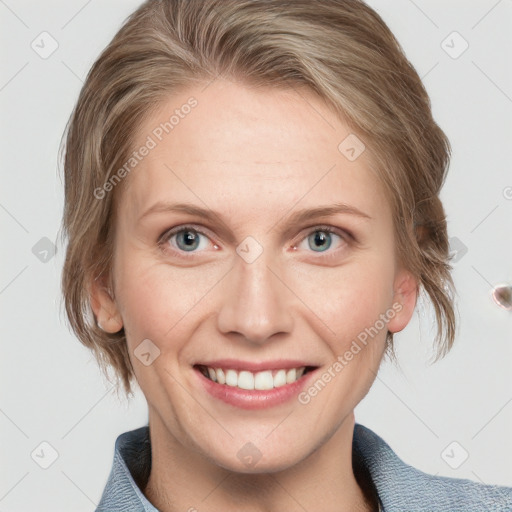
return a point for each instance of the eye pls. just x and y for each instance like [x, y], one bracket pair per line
[184, 239]
[322, 238]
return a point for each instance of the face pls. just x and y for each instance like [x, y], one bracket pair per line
[282, 259]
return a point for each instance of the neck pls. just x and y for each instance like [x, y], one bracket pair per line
[182, 479]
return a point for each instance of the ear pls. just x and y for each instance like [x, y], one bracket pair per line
[404, 300]
[105, 309]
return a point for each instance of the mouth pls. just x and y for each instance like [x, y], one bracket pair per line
[262, 380]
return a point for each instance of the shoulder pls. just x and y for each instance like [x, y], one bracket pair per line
[402, 487]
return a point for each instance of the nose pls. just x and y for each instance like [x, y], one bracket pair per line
[256, 303]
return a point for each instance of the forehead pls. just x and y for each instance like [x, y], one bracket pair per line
[233, 147]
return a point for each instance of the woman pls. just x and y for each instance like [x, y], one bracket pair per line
[252, 207]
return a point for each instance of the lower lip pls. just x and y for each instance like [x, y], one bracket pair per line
[255, 398]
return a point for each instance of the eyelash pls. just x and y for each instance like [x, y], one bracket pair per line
[164, 238]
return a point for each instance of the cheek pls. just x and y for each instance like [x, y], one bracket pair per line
[156, 299]
[350, 298]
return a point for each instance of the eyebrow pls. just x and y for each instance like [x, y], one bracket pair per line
[299, 217]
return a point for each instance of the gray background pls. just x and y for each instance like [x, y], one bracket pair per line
[51, 389]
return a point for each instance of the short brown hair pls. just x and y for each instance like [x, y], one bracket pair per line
[340, 49]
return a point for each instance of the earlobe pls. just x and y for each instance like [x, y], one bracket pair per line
[404, 300]
[104, 307]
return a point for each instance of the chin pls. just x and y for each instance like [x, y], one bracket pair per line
[254, 458]
[273, 464]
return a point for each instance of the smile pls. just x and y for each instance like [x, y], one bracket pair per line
[249, 385]
[262, 380]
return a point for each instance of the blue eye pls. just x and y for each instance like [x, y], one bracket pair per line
[321, 238]
[187, 239]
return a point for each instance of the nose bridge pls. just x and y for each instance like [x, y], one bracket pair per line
[255, 300]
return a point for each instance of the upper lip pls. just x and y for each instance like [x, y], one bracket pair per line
[251, 366]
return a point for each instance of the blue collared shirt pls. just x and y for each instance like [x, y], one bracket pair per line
[400, 487]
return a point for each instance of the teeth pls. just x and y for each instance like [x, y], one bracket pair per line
[221, 378]
[231, 378]
[263, 380]
[280, 378]
[291, 376]
[246, 380]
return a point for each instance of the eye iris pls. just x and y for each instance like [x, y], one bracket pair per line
[320, 237]
[191, 239]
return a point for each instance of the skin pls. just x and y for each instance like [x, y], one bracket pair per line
[255, 156]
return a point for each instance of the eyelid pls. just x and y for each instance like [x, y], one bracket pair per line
[182, 227]
[343, 233]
